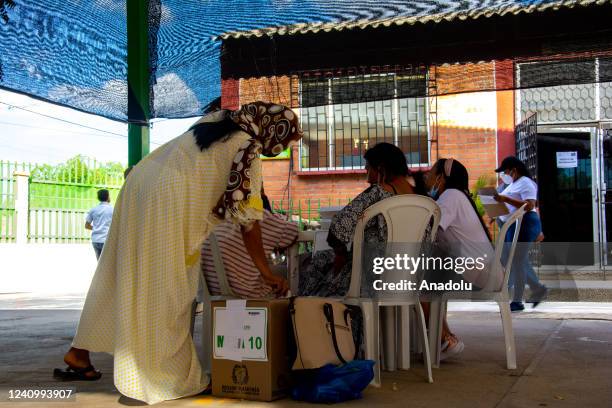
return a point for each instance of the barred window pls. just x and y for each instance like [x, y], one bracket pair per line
[342, 117]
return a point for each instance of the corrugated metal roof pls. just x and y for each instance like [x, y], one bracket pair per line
[452, 10]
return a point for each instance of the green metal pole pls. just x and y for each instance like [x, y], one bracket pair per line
[138, 79]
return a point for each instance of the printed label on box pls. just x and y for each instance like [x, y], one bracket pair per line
[240, 334]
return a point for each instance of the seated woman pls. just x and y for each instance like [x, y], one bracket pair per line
[242, 274]
[462, 233]
[329, 272]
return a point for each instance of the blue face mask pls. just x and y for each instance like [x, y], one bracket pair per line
[434, 190]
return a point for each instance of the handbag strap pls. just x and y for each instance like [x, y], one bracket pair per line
[295, 329]
[350, 311]
[328, 310]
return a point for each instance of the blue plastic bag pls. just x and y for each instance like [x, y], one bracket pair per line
[330, 384]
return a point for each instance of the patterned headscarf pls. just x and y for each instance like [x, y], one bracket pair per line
[271, 127]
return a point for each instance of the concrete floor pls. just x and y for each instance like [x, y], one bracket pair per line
[564, 357]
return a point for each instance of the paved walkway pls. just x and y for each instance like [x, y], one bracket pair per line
[564, 357]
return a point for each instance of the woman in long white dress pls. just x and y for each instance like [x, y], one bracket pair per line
[139, 303]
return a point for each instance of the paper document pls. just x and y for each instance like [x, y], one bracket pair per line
[487, 200]
[240, 333]
[492, 207]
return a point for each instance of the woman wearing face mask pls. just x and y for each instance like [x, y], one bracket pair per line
[462, 234]
[521, 190]
[328, 273]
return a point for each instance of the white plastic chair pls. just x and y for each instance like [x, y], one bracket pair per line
[501, 296]
[407, 218]
[293, 259]
[206, 299]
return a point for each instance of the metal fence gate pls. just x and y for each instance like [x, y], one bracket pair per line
[526, 134]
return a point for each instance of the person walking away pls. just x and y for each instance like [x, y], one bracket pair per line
[98, 221]
[521, 190]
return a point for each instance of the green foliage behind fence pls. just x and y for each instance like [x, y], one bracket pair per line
[59, 197]
[74, 184]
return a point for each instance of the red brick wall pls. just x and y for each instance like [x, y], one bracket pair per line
[473, 147]
[230, 94]
[467, 122]
[456, 78]
[276, 89]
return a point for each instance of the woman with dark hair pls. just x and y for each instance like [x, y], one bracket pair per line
[521, 190]
[462, 233]
[329, 272]
[139, 303]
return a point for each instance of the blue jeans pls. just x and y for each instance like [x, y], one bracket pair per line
[97, 246]
[522, 272]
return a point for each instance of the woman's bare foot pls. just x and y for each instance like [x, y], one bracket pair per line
[79, 359]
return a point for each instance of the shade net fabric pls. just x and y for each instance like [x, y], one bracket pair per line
[74, 53]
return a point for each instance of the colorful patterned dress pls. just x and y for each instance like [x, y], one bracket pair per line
[317, 276]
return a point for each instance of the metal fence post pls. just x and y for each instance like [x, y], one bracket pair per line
[22, 205]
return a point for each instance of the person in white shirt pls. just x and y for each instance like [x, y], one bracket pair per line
[461, 234]
[98, 220]
[521, 190]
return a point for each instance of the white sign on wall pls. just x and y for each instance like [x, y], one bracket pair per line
[567, 160]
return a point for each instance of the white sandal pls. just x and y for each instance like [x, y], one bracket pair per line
[451, 347]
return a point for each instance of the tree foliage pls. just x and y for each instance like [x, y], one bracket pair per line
[79, 170]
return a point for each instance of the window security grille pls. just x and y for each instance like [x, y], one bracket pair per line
[343, 116]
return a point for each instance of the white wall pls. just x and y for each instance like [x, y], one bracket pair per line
[46, 268]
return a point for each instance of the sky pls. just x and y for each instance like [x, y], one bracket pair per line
[31, 137]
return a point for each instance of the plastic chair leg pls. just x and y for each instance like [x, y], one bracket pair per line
[423, 330]
[371, 334]
[435, 330]
[417, 344]
[207, 337]
[403, 331]
[389, 337]
[506, 317]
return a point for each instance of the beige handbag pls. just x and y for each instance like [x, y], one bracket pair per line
[322, 330]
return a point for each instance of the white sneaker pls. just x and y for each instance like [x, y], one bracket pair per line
[451, 347]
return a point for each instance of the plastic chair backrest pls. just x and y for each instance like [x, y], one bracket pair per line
[215, 250]
[515, 218]
[407, 217]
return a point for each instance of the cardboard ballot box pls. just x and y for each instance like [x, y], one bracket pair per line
[250, 349]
